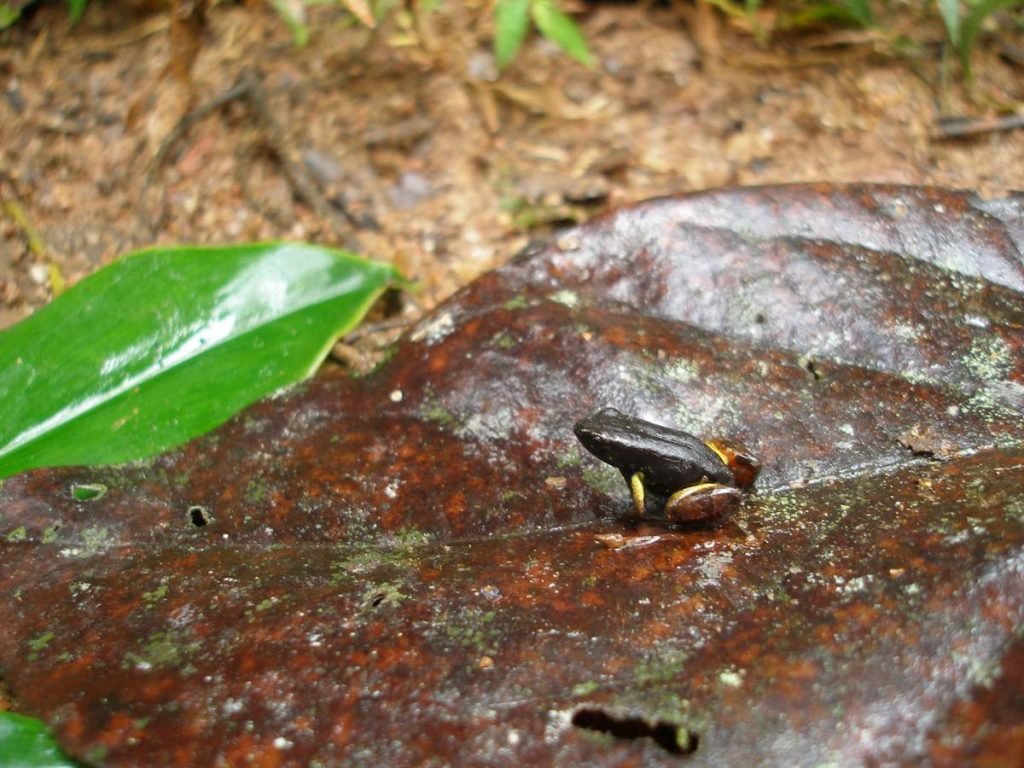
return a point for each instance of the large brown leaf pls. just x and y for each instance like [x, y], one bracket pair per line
[403, 568]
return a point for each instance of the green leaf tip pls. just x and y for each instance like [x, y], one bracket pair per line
[75, 10]
[511, 21]
[561, 30]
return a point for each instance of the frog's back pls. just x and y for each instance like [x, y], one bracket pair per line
[668, 458]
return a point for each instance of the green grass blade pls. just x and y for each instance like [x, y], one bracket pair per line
[562, 30]
[854, 12]
[950, 11]
[75, 9]
[860, 12]
[26, 743]
[295, 22]
[8, 15]
[165, 344]
[511, 19]
[977, 12]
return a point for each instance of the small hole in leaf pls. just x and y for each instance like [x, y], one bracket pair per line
[87, 491]
[199, 516]
[673, 738]
[760, 319]
[377, 599]
[812, 367]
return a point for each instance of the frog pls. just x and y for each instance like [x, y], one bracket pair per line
[698, 481]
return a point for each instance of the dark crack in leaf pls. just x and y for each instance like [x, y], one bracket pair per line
[412, 566]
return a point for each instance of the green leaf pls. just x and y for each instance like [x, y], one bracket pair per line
[511, 19]
[26, 743]
[976, 15]
[561, 30]
[294, 17]
[731, 9]
[855, 12]
[950, 10]
[75, 9]
[8, 15]
[361, 10]
[381, 8]
[165, 344]
[860, 12]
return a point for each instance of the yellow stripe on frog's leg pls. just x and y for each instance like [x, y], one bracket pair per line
[693, 490]
[718, 450]
[636, 485]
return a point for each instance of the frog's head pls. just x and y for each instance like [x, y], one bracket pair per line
[604, 432]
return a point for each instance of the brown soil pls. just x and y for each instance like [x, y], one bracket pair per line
[431, 161]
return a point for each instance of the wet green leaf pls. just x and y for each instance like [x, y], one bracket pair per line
[167, 343]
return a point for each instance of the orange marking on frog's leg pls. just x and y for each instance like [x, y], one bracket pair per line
[743, 464]
[704, 502]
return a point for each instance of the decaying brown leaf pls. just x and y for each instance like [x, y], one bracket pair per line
[422, 564]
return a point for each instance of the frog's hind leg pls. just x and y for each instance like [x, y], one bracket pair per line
[706, 502]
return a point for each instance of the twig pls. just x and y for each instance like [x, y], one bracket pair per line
[368, 329]
[176, 134]
[236, 91]
[243, 169]
[362, 358]
[1014, 54]
[301, 179]
[36, 245]
[249, 89]
[345, 354]
[109, 40]
[402, 132]
[17, 214]
[958, 127]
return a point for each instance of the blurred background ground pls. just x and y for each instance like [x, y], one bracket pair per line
[430, 160]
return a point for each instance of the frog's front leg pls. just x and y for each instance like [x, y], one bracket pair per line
[636, 487]
[702, 503]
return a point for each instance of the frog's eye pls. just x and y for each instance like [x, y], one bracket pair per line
[743, 464]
